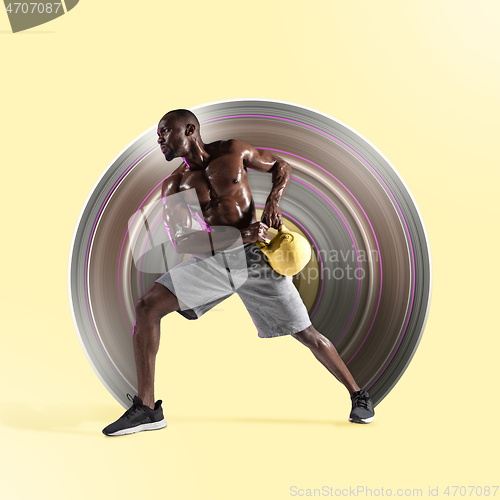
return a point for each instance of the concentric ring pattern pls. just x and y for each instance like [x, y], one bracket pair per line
[367, 287]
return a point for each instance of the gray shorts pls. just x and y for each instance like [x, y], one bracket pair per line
[205, 280]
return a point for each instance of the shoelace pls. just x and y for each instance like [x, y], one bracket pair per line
[133, 409]
[361, 400]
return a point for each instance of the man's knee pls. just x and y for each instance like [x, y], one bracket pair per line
[144, 306]
[311, 338]
[157, 302]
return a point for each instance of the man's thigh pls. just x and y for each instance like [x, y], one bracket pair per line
[195, 283]
[273, 302]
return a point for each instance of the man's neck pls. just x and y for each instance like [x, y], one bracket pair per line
[198, 158]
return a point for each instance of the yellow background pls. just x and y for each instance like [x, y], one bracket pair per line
[249, 418]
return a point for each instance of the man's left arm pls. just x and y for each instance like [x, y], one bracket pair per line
[266, 161]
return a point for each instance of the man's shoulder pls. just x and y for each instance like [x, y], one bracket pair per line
[172, 182]
[231, 146]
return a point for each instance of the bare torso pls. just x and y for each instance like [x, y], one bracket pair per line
[222, 186]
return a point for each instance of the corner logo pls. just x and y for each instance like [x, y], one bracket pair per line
[26, 15]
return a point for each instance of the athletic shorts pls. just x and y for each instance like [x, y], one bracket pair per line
[206, 279]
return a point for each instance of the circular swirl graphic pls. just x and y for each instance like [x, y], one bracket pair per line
[367, 287]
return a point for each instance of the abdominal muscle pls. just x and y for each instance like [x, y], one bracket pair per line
[223, 201]
[228, 212]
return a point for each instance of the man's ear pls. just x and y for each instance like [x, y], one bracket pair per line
[190, 128]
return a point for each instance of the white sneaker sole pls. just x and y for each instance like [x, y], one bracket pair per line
[153, 426]
[363, 420]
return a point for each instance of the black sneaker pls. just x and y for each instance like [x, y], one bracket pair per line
[136, 419]
[362, 408]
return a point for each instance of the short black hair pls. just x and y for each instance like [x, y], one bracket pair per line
[186, 117]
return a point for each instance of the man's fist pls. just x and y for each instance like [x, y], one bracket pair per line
[271, 215]
[255, 232]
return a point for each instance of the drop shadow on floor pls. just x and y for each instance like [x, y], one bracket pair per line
[257, 420]
[76, 419]
[81, 419]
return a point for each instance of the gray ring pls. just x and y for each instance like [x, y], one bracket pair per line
[344, 196]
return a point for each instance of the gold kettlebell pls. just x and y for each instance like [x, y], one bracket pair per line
[288, 252]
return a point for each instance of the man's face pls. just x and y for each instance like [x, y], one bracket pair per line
[172, 138]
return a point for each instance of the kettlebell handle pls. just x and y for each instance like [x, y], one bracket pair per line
[281, 230]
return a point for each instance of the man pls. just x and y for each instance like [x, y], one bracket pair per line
[217, 174]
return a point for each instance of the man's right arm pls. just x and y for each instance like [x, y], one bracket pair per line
[176, 213]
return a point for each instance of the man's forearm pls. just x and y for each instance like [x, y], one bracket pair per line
[205, 241]
[281, 177]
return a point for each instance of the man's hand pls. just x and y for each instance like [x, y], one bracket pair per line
[271, 216]
[255, 232]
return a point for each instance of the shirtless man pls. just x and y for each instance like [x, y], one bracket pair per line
[218, 174]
